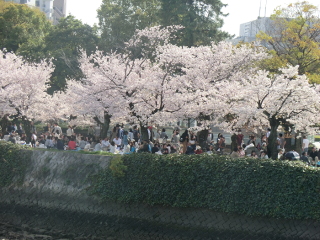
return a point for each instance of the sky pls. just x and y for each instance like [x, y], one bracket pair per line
[240, 11]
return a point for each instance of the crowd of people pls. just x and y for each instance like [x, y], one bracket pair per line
[128, 141]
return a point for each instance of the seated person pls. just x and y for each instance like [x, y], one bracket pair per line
[198, 150]
[87, 147]
[59, 143]
[105, 144]
[132, 147]
[253, 154]
[173, 149]
[12, 138]
[112, 147]
[242, 153]
[41, 140]
[235, 153]
[82, 143]
[144, 147]
[155, 148]
[305, 158]
[97, 147]
[313, 154]
[49, 143]
[165, 151]
[23, 137]
[190, 150]
[210, 149]
[72, 144]
[280, 154]
[264, 155]
[117, 141]
[164, 146]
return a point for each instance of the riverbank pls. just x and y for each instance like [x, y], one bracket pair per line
[51, 197]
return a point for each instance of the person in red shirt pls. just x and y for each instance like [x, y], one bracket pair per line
[72, 144]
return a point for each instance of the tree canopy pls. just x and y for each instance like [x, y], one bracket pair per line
[119, 19]
[64, 44]
[294, 37]
[201, 20]
[22, 29]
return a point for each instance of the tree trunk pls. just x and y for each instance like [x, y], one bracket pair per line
[4, 124]
[272, 140]
[298, 142]
[105, 125]
[202, 139]
[144, 133]
[27, 129]
[189, 123]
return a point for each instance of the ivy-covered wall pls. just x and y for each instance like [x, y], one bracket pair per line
[14, 160]
[253, 187]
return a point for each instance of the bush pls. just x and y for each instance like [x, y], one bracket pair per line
[14, 160]
[255, 187]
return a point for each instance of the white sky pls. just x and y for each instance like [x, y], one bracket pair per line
[240, 11]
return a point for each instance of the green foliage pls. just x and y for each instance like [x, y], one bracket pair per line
[64, 44]
[14, 160]
[117, 167]
[246, 186]
[119, 19]
[23, 29]
[294, 37]
[201, 20]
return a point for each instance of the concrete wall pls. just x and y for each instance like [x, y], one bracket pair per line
[56, 182]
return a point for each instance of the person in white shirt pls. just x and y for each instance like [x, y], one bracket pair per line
[33, 139]
[130, 135]
[305, 144]
[57, 130]
[105, 144]
[98, 147]
[117, 141]
[112, 147]
[69, 132]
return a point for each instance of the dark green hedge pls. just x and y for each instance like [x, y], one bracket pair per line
[247, 186]
[14, 160]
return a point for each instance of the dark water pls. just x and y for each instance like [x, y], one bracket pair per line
[8, 231]
[26, 223]
[24, 232]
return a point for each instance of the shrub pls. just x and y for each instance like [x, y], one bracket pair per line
[14, 160]
[255, 187]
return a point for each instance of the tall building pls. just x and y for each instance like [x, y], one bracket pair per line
[59, 10]
[249, 30]
[54, 9]
[252, 28]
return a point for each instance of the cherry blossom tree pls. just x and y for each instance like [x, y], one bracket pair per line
[264, 100]
[141, 86]
[207, 69]
[23, 89]
[156, 82]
